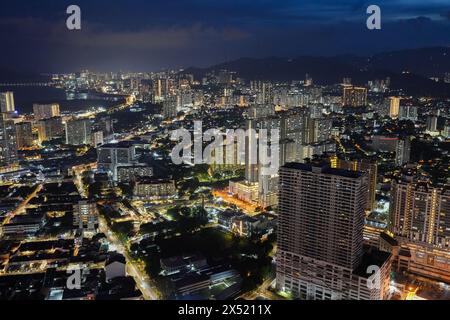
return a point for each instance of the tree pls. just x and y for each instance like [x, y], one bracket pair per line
[127, 189]
[122, 228]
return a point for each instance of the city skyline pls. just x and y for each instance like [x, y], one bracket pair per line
[225, 151]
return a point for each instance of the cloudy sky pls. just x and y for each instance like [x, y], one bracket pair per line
[147, 35]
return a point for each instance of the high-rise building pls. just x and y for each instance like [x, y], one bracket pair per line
[320, 236]
[401, 147]
[7, 102]
[408, 112]
[318, 130]
[363, 165]
[24, 132]
[97, 138]
[394, 107]
[446, 131]
[85, 216]
[420, 211]
[170, 107]
[8, 142]
[347, 81]
[50, 128]
[432, 122]
[264, 94]
[161, 89]
[45, 111]
[225, 77]
[113, 155]
[107, 126]
[403, 151]
[315, 110]
[354, 96]
[78, 132]
[420, 221]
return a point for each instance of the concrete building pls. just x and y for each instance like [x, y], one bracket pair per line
[45, 111]
[113, 155]
[401, 147]
[8, 142]
[78, 132]
[133, 172]
[363, 165]
[170, 107]
[420, 222]
[24, 132]
[354, 96]
[7, 102]
[149, 188]
[408, 112]
[320, 236]
[49, 128]
[394, 107]
[85, 216]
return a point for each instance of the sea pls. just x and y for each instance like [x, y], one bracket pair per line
[26, 96]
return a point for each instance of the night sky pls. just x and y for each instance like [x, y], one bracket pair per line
[146, 35]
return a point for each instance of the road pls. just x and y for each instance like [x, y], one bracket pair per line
[20, 209]
[78, 171]
[140, 277]
[262, 291]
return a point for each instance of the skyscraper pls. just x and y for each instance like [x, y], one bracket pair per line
[50, 128]
[432, 122]
[106, 125]
[420, 221]
[408, 112]
[170, 107]
[85, 216]
[7, 102]
[354, 96]
[24, 131]
[45, 111]
[403, 151]
[394, 107]
[420, 211]
[363, 165]
[8, 142]
[78, 132]
[320, 235]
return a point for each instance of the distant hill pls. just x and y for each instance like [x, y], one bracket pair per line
[420, 64]
[429, 62]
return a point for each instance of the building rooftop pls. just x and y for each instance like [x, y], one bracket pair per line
[371, 257]
[324, 169]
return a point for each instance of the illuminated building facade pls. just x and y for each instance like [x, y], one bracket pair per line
[370, 167]
[45, 111]
[420, 221]
[85, 216]
[320, 236]
[354, 96]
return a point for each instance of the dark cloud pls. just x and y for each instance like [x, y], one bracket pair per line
[149, 35]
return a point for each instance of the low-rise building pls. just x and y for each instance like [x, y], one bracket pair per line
[154, 188]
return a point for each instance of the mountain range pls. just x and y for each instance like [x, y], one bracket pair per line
[410, 69]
